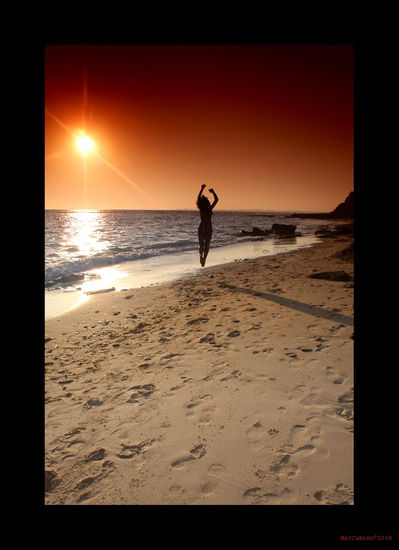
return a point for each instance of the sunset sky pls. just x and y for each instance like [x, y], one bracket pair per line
[269, 127]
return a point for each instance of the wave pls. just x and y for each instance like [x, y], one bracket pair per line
[66, 271]
[129, 237]
[175, 245]
[75, 270]
[79, 266]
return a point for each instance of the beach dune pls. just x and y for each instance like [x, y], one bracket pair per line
[234, 386]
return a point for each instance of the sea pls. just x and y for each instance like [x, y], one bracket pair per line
[93, 251]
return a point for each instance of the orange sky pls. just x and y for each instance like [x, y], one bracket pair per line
[268, 127]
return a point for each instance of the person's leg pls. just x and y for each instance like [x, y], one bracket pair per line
[206, 244]
[201, 242]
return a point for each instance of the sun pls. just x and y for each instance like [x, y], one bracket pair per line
[84, 144]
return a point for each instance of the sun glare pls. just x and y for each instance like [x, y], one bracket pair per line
[84, 144]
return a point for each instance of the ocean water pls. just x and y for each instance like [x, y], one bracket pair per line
[88, 250]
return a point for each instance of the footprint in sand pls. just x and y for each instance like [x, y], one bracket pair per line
[346, 398]
[87, 481]
[256, 435]
[98, 454]
[216, 469]
[209, 338]
[211, 485]
[206, 415]
[51, 480]
[315, 399]
[345, 410]
[340, 494]
[306, 450]
[336, 378]
[285, 467]
[195, 454]
[92, 403]
[300, 388]
[297, 434]
[141, 392]
[196, 403]
[130, 451]
[144, 366]
[73, 432]
[261, 496]
[75, 442]
[301, 443]
[85, 485]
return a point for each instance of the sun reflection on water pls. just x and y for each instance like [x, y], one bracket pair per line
[83, 233]
[84, 238]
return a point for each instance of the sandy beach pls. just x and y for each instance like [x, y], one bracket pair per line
[233, 387]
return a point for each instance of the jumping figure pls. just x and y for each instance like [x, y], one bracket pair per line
[205, 227]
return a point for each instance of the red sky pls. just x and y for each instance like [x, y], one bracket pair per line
[269, 127]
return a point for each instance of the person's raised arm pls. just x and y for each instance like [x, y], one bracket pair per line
[200, 193]
[215, 197]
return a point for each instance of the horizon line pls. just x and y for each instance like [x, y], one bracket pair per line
[180, 210]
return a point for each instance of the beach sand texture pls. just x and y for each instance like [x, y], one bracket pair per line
[231, 387]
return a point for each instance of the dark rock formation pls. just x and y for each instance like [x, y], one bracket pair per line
[324, 233]
[283, 229]
[344, 211]
[346, 229]
[338, 231]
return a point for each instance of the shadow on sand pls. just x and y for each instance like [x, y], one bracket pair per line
[294, 304]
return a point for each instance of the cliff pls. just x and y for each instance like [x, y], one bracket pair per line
[345, 210]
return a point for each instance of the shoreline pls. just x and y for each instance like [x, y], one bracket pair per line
[165, 268]
[233, 386]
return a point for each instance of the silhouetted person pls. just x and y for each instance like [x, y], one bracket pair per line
[205, 227]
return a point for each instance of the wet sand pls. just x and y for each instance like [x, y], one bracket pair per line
[230, 387]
